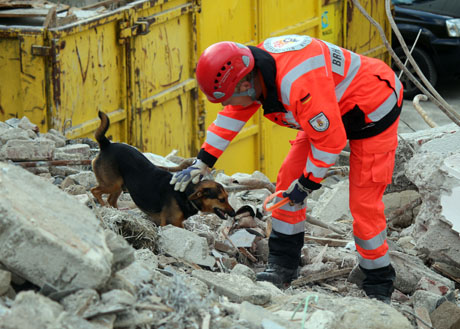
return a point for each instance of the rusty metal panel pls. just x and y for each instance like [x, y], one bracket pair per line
[23, 86]
[87, 74]
[293, 17]
[231, 20]
[164, 90]
[360, 35]
[332, 21]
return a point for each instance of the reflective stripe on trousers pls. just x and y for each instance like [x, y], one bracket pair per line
[371, 169]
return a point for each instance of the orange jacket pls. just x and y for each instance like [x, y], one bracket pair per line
[327, 91]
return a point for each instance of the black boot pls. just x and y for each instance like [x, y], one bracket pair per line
[278, 275]
[378, 283]
[283, 258]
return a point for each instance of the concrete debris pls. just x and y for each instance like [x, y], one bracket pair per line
[67, 262]
[63, 246]
[186, 245]
[237, 288]
[435, 170]
[5, 281]
[446, 316]
[242, 238]
[326, 311]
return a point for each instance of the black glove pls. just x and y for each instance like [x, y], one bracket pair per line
[296, 192]
[299, 189]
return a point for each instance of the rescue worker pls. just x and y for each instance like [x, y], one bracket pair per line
[329, 94]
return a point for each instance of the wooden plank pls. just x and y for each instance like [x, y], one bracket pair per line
[36, 9]
[28, 4]
[320, 276]
[329, 242]
[29, 12]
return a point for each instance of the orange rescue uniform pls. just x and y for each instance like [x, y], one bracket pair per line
[329, 94]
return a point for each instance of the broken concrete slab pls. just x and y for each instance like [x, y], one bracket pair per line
[186, 245]
[410, 270]
[26, 124]
[30, 150]
[59, 141]
[332, 312]
[432, 286]
[401, 208]
[48, 237]
[257, 315]
[5, 282]
[408, 145]
[138, 273]
[428, 300]
[435, 170]
[16, 134]
[72, 152]
[85, 178]
[123, 253]
[24, 310]
[237, 288]
[113, 301]
[80, 301]
[333, 205]
[244, 270]
[341, 256]
[446, 316]
[241, 238]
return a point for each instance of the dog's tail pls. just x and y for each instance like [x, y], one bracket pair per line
[100, 132]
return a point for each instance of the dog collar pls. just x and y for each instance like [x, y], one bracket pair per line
[194, 205]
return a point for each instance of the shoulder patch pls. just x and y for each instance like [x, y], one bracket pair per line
[319, 122]
[286, 43]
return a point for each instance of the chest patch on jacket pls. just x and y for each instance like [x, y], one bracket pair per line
[286, 43]
[319, 122]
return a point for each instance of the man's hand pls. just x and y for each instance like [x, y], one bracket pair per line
[296, 192]
[194, 173]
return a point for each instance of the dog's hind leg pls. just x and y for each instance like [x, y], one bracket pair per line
[97, 192]
[113, 197]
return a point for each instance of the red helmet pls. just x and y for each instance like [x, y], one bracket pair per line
[220, 67]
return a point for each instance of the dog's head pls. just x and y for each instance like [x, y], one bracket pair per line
[210, 196]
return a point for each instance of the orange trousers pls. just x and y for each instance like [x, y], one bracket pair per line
[371, 170]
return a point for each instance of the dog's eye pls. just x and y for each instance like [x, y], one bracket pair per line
[222, 200]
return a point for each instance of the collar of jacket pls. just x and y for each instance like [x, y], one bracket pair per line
[267, 66]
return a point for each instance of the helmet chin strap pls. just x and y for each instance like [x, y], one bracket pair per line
[251, 92]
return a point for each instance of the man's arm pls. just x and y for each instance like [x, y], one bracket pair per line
[221, 132]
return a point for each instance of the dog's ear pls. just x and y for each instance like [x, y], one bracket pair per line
[196, 195]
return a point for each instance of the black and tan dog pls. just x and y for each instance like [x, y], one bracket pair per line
[119, 165]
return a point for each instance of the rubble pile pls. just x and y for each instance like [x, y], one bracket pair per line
[67, 262]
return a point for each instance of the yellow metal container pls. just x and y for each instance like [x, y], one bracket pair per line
[23, 82]
[262, 145]
[137, 64]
